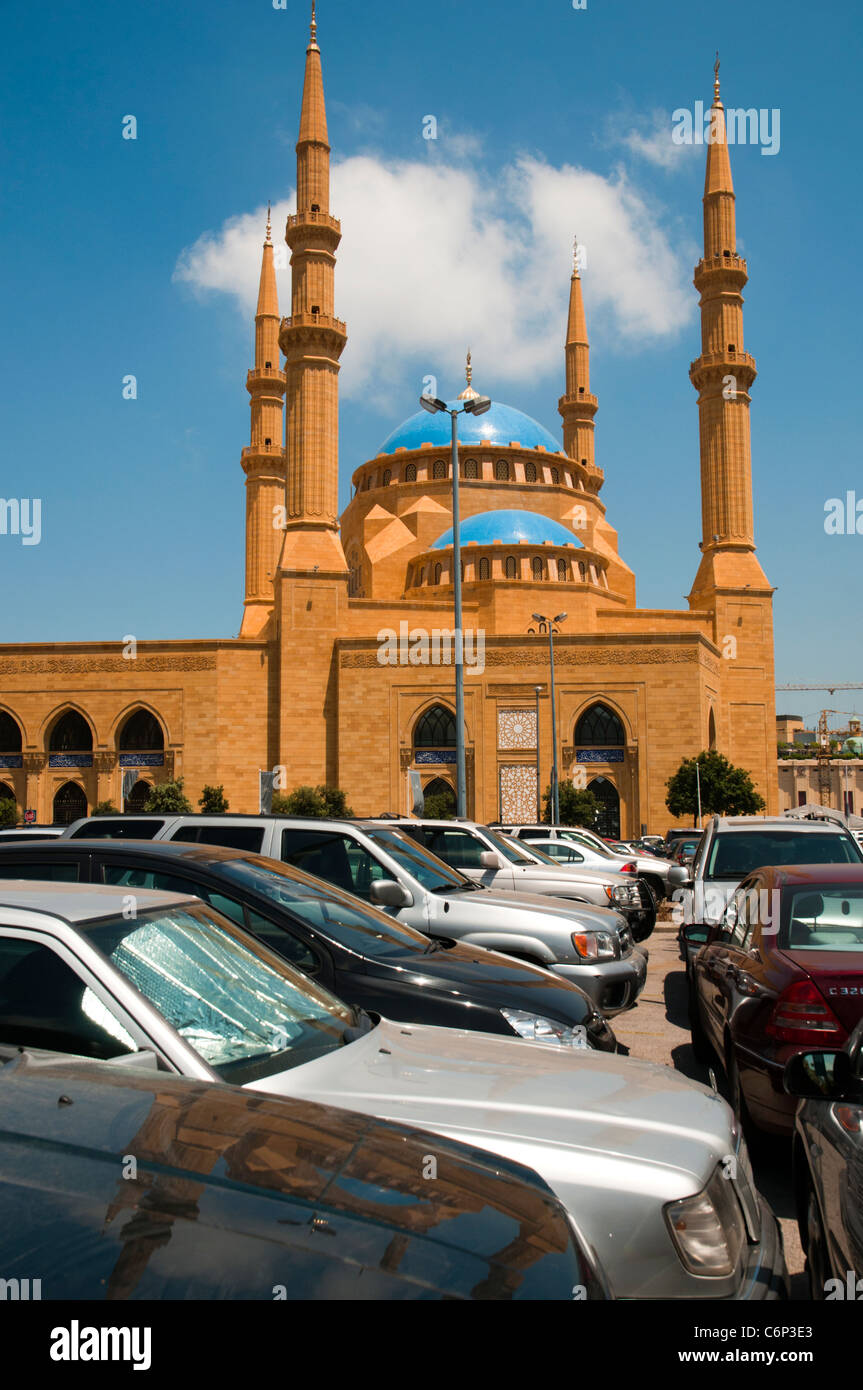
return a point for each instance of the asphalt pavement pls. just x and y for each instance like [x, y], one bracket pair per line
[657, 1030]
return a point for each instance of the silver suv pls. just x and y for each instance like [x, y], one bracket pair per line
[591, 946]
[732, 847]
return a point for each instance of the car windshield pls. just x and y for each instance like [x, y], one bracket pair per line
[737, 853]
[425, 867]
[587, 841]
[334, 914]
[535, 852]
[511, 851]
[241, 1007]
[829, 918]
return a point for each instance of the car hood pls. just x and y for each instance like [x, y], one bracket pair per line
[582, 914]
[578, 1116]
[234, 1187]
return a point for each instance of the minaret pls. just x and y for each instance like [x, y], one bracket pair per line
[578, 406]
[724, 373]
[312, 340]
[731, 590]
[264, 459]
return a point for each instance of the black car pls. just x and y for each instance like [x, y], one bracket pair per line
[358, 952]
[121, 1183]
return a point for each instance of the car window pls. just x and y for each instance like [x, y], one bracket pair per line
[456, 847]
[741, 852]
[244, 1009]
[298, 952]
[428, 869]
[131, 877]
[45, 1003]
[49, 870]
[828, 917]
[117, 828]
[335, 857]
[564, 851]
[249, 837]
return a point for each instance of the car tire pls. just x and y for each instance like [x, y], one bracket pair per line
[817, 1267]
[700, 1044]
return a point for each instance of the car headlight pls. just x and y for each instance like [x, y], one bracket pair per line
[595, 945]
[539, 1029]
[624, 894]
[708, 1229]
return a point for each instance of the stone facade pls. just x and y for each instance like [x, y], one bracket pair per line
[304, 688]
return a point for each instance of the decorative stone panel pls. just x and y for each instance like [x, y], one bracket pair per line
[516, 728]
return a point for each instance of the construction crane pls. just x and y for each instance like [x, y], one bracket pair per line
[838, 685]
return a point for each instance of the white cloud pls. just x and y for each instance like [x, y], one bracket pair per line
[437, 257]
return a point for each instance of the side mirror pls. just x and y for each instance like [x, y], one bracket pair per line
[490, 859]
[695, 933]
[822, 1076]
[678, 877]
[386, 892]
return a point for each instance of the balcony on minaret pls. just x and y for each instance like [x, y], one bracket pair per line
[314, 319]
[315, 218]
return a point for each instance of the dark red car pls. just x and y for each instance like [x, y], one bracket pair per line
[783, 973]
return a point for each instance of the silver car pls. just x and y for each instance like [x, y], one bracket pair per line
[597, 855]
[649, 1164]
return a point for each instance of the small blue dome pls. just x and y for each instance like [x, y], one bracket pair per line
[511, 527]
[500, 425]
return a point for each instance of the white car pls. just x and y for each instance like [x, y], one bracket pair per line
[649, 1164]
[595, 854]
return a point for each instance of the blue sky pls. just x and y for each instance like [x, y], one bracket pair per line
[137, 256]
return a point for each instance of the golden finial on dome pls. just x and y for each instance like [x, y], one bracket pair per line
[716, 77]
[268, 241]
[314, 28]
[468, 394]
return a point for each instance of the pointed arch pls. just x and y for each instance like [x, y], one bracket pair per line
[10, 733]
[711, 729]
[70, 803]
[435, 728]
[599, 725]
[71, 732]
[140, 732]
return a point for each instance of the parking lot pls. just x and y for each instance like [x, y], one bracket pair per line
[657, 1030]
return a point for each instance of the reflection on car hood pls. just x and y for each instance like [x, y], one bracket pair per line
[587, 1115]
[234, 1193]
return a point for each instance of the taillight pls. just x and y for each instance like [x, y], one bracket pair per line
[801, 1014]
[629, 868]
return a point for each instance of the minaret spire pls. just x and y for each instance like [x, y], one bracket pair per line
[577, 406]
[264, 460]
[312, 340]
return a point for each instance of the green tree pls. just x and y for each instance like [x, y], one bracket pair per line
[169, 797]
[578, 806]
[439, 806]
[212, 800]
[105, 808]
[726, 790]
[320, 802]
[8, 811]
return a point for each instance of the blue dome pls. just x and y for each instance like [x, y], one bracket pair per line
[510, 527]
[500, 425]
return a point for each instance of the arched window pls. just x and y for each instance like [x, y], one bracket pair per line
[599, 725]
[410, 473]
[10, 734]
[70, 804]
[436, 729]
[367, 482]
[354, 574]
[421, 577]
[561, 571]
[511, 568]
[387, 478]
[485, 568]
[6, 792]
[582, 570]
[71, 734]
[141, 733]
[471, 468]
[439, 468]
[501, 471]
[530, 472]
[711, 731]
[438, 571]
[537, 567]
[555, 475]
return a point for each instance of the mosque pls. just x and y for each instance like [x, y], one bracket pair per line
[303, 688]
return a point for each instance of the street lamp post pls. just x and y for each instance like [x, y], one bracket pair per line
[537, 689]
[476, 405]
[555, 785]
